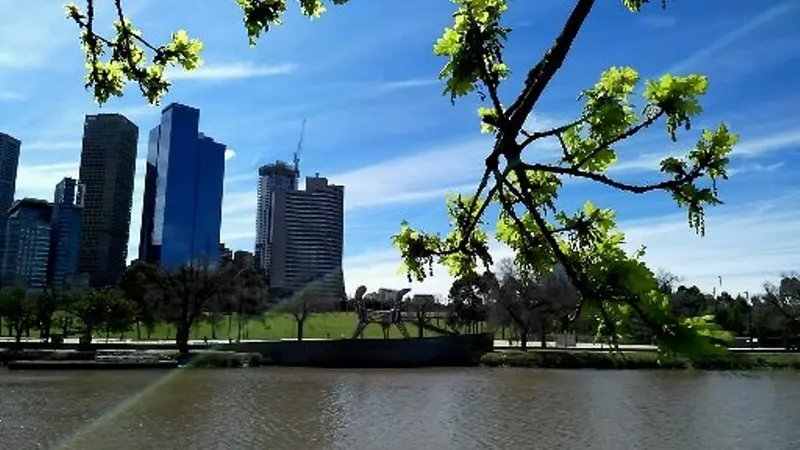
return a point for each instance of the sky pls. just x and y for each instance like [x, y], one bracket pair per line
[365, 78]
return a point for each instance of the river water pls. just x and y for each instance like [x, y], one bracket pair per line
[298, 409]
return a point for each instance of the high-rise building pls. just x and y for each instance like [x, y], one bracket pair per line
[108, 164]
[9, 160]
[182, 206]
[307, 236]
[27, 252]
[271, 178]
[65, 233]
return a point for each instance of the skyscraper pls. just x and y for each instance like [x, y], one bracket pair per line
[9, 160]
[108, 164]
[307, 236]
[182, 206]
[65, 234]
[27, 243]
[271, 178]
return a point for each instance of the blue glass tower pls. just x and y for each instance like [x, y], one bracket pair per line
[182, 205]
[65, 234]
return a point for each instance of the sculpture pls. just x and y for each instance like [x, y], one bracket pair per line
[386, 318]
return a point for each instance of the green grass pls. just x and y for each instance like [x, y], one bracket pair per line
[277, 326]
[568, 359]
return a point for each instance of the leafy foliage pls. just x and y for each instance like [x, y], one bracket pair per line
[127, 56]
[613, 285]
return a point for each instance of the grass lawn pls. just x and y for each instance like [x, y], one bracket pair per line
[276, 326]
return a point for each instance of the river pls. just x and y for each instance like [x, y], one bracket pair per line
[298, 409]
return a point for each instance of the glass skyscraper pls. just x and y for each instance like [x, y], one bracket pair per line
[182, 205]
[65, 233]
[9, 160]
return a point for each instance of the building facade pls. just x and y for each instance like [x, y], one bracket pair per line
[9, 161]
[26, 258]
[307, 236]
[271, 178]
[65, 233]
[108, 165]
[182, 205]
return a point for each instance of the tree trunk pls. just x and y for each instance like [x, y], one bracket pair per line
[182, 339]
[543, 335]
[138, 331]
[230, 325]
[18, 337]
[420, 329]
[300, 324]
[214, 330]
[523, 339]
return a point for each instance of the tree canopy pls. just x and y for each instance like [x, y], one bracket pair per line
[612, 284]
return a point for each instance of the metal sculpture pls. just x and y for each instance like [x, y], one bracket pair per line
[386, 318]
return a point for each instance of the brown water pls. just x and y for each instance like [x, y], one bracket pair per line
[298, 409]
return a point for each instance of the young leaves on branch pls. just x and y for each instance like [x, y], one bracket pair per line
[112, 61]
[613, 285]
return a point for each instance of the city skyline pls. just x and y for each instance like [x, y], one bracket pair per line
[383, 130]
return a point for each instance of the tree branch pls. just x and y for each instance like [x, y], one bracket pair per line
[636, 189]
[628, 133]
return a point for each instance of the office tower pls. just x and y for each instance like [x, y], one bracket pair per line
[108, 164]
[9, 160]
[271, 178]
[65, 234]
[307, 228]
[182, 206]
[27, 243]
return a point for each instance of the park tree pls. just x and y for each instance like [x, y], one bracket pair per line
[91, 308]
[532, 302]
[136, 280]
[187, 292]
[304, 302]
[18, 309]
[614, 286]
[419, 308]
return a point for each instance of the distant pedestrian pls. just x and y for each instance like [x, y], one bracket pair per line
[205, 340]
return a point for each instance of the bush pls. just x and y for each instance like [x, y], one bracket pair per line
[565, 359]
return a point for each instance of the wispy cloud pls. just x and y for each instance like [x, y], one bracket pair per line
[8, 96]
[405, 84]
[754, 167]
[659, 21]
[52, 145]
[32, 36]
[419, 175]
[747, 148]
[229, 154]
[231, 71]
[728, 39]
[745, 245]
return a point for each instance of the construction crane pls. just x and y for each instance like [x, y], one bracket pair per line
[299, 147]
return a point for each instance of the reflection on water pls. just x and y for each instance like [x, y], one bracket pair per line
[281, 408]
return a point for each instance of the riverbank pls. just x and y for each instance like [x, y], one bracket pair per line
[570, 359]
[124, 360]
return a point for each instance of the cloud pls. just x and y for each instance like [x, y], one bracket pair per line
[419, 175]
[31, 37]
[8, 96]
[726, 40]
[231, 71]
[747, 148]
[745, 245]
[659, 21]
[405, 84]
[755, 168]
[229, 154]
[52, 145]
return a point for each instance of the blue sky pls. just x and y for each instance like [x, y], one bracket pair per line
[365, 78]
